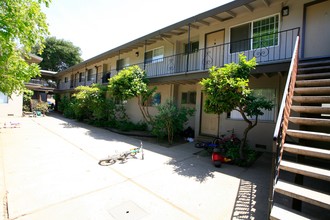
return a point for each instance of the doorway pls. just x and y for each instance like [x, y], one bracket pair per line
[316, 20]
[209, 122]
[214, 52]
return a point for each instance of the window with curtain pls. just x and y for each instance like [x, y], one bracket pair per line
[154, 100]
[3, 98]
[269, 115]
[154, 56]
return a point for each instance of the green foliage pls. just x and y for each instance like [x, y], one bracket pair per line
[59, 54]
[228, 89]
[42, 107]
[170, 120]
[129, 83]
[66, 106]
[22, 26]
[27, 97]
[90, 102]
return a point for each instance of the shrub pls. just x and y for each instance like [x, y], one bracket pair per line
[170, 120]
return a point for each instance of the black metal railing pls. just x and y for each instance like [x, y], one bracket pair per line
[266, 48]
[43, 82]
[283, 120]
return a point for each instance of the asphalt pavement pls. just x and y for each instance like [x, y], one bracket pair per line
[49, 170]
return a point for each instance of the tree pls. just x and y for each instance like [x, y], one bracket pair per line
[59, 55]
[22, 26]
[129, 83]
[227, 89]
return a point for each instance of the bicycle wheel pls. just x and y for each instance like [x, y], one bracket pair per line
[107, 162]
[218, 142]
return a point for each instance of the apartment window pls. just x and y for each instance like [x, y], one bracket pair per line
[263, 32]
[194, 47]
[3, 98]
[154, 100]
[239, 36]
[80, 77]
[188, 98]
[268, 115]
[65, 79]
[120, 64]
[89, 75]
[256, 34]
[154, 56]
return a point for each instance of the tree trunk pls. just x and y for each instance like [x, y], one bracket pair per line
[245, 134]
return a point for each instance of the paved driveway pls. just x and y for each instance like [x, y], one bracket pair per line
[49, 170]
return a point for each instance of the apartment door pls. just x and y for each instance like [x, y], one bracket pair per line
[316, 32]
[209, 122]
[214, 53]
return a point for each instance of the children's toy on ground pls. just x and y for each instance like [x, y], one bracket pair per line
[11, 124]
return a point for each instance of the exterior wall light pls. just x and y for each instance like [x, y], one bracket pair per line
[137, 53]
[285, 11]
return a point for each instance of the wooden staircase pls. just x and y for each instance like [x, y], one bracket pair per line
[302, 186]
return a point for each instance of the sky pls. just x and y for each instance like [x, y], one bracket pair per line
[96, 26]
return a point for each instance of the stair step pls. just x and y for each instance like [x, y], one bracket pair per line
[313, 90]
[305, 170]
[314, 69]
[281, 212]
[311, 109]
[316, 136]
[301, 193]
[311, 99]
[311, 63]
[313, 76]
[307, 151]
[315, 82]
[310, 121]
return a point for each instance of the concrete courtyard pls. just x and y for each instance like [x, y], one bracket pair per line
[49, 170]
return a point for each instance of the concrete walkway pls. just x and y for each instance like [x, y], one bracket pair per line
[49, 170]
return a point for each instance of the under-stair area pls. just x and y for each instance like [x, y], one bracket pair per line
[301, 188]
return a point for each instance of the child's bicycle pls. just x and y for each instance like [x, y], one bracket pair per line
[111, 159]
[218, 147]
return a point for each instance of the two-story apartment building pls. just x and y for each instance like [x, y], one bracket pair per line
[177, 57]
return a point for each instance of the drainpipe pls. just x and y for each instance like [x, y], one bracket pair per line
[187, 67]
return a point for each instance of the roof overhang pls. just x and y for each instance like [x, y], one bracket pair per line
[220, 14]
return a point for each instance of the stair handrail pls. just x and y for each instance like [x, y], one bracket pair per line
[283, 120]
[288, 91]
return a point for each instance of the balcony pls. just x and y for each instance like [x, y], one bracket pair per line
[269, 48]
[276, 47]
[41, 82]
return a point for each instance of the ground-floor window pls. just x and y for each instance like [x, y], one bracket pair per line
[3, 98]
[154, 100]
[188, 98]
[269, 115]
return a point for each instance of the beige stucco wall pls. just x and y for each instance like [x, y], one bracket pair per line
[133, 110]
[13, 107]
